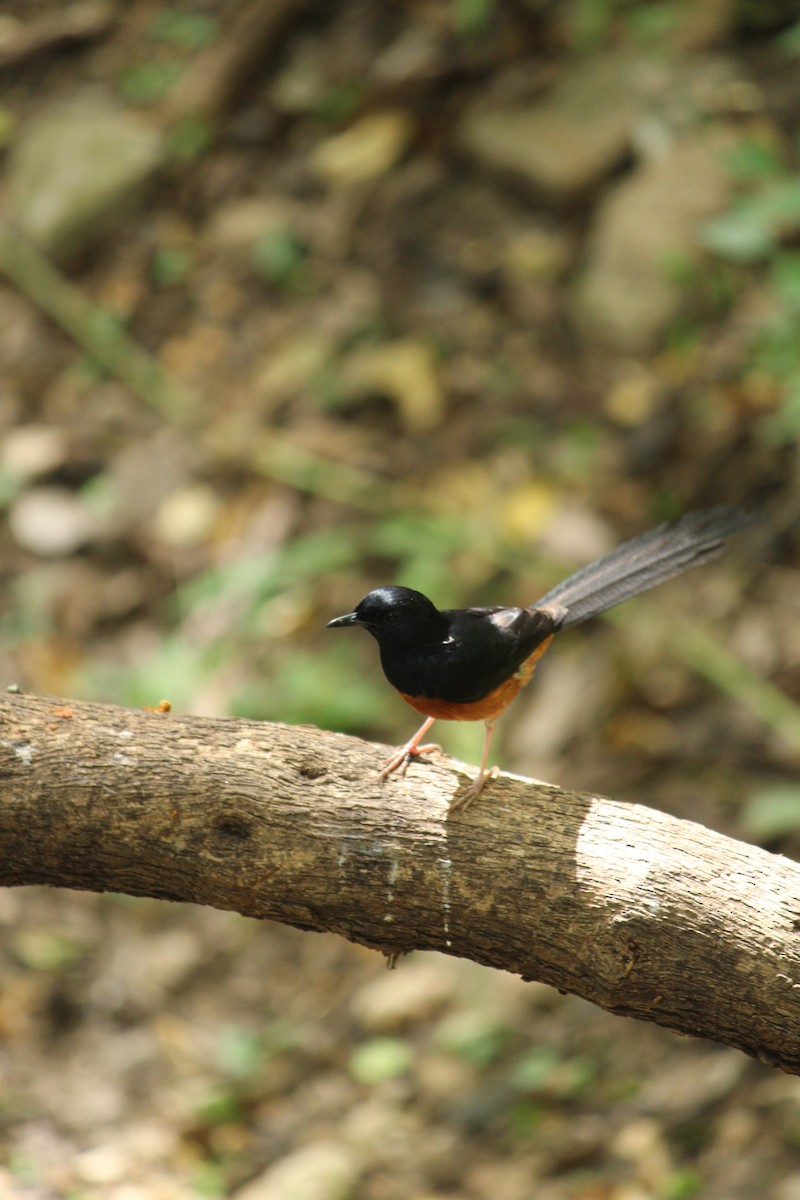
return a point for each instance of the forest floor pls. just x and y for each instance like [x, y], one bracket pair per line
[296, 299]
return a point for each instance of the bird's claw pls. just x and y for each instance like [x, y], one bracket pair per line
[400, 760]
[465, 797]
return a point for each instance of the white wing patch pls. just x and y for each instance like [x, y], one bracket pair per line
[505, 617]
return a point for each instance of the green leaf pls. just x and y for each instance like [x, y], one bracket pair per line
[472, 16]
[380, 1059]
[738, 236]
[789, 40]
[772, 812]
[786, 282]
[279, 256]
[753, 227]
[473, 1037]
[753, 159]
[240, 1052]
[189, 138]
[682, 1184]
[328, 688]
[188, 30]
[171, 265]
[535, 1068]
[47, 950]
[222, 1107]
[143, 83]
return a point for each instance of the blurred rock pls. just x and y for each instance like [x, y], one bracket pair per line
[567, 142]
[103, 1165]
[632, 399]
[641, 1143]
[692, 1082]
[323, 1170]
[240, 224]
[413, 992]
[32, 450]
[405, 371]
[367, 149]
[36, 34]
[186, 517]
[300, 85]
[74, 169]
[51, 521]
[415, 54]
[575, 534]
[536, 254]
[788, 1188]
[628, 296]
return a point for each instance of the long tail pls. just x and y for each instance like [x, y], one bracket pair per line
[644, 562]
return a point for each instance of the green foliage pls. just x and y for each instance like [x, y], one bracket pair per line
[323, 687]
[250, 582]
[756, 232]
[241, 1053]
[10, 487]
[473, 1037]
[381, 1059]
[190, 31]
[209, 1180]
[341, 102]
[753, 228]
[789, 40]
[590, 22]
[221, 1107]
[472, 16]
[180, 35]
[47, 949]
[423, 546]
[753, 159]
[172, 265]
[526, 1117]
[772, 813]
[652, 21]
[549, 1072]
[280, 256]
[326, 687]
[147, 82]
[535, 1068]
[682, 1184]
[189, 138]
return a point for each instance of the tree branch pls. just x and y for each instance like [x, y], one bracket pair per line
[641, 913]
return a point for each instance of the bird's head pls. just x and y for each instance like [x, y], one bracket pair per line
[395, 614]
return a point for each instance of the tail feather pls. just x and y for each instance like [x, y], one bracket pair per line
[644, 562]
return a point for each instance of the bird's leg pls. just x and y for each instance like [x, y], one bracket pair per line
[464, 798]
[412, 749]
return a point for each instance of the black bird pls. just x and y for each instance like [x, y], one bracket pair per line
[468, 664]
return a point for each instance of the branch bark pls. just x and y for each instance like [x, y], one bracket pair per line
[643, 914]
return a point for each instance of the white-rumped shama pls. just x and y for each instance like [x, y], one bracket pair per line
[468, 664]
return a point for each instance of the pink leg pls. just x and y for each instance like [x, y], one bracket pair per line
[412, 749]
[464, 798]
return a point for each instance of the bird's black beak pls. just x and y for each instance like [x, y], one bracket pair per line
[343, 622]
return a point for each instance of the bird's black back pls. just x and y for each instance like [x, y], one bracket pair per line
[479, 650]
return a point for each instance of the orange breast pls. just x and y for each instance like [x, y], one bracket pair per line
[490, 706]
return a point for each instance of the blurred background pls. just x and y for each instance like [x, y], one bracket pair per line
[298, 298]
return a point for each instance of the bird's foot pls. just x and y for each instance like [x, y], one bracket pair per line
[465, 797]
[400, 760]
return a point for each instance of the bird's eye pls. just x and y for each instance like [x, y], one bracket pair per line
[391, 616]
